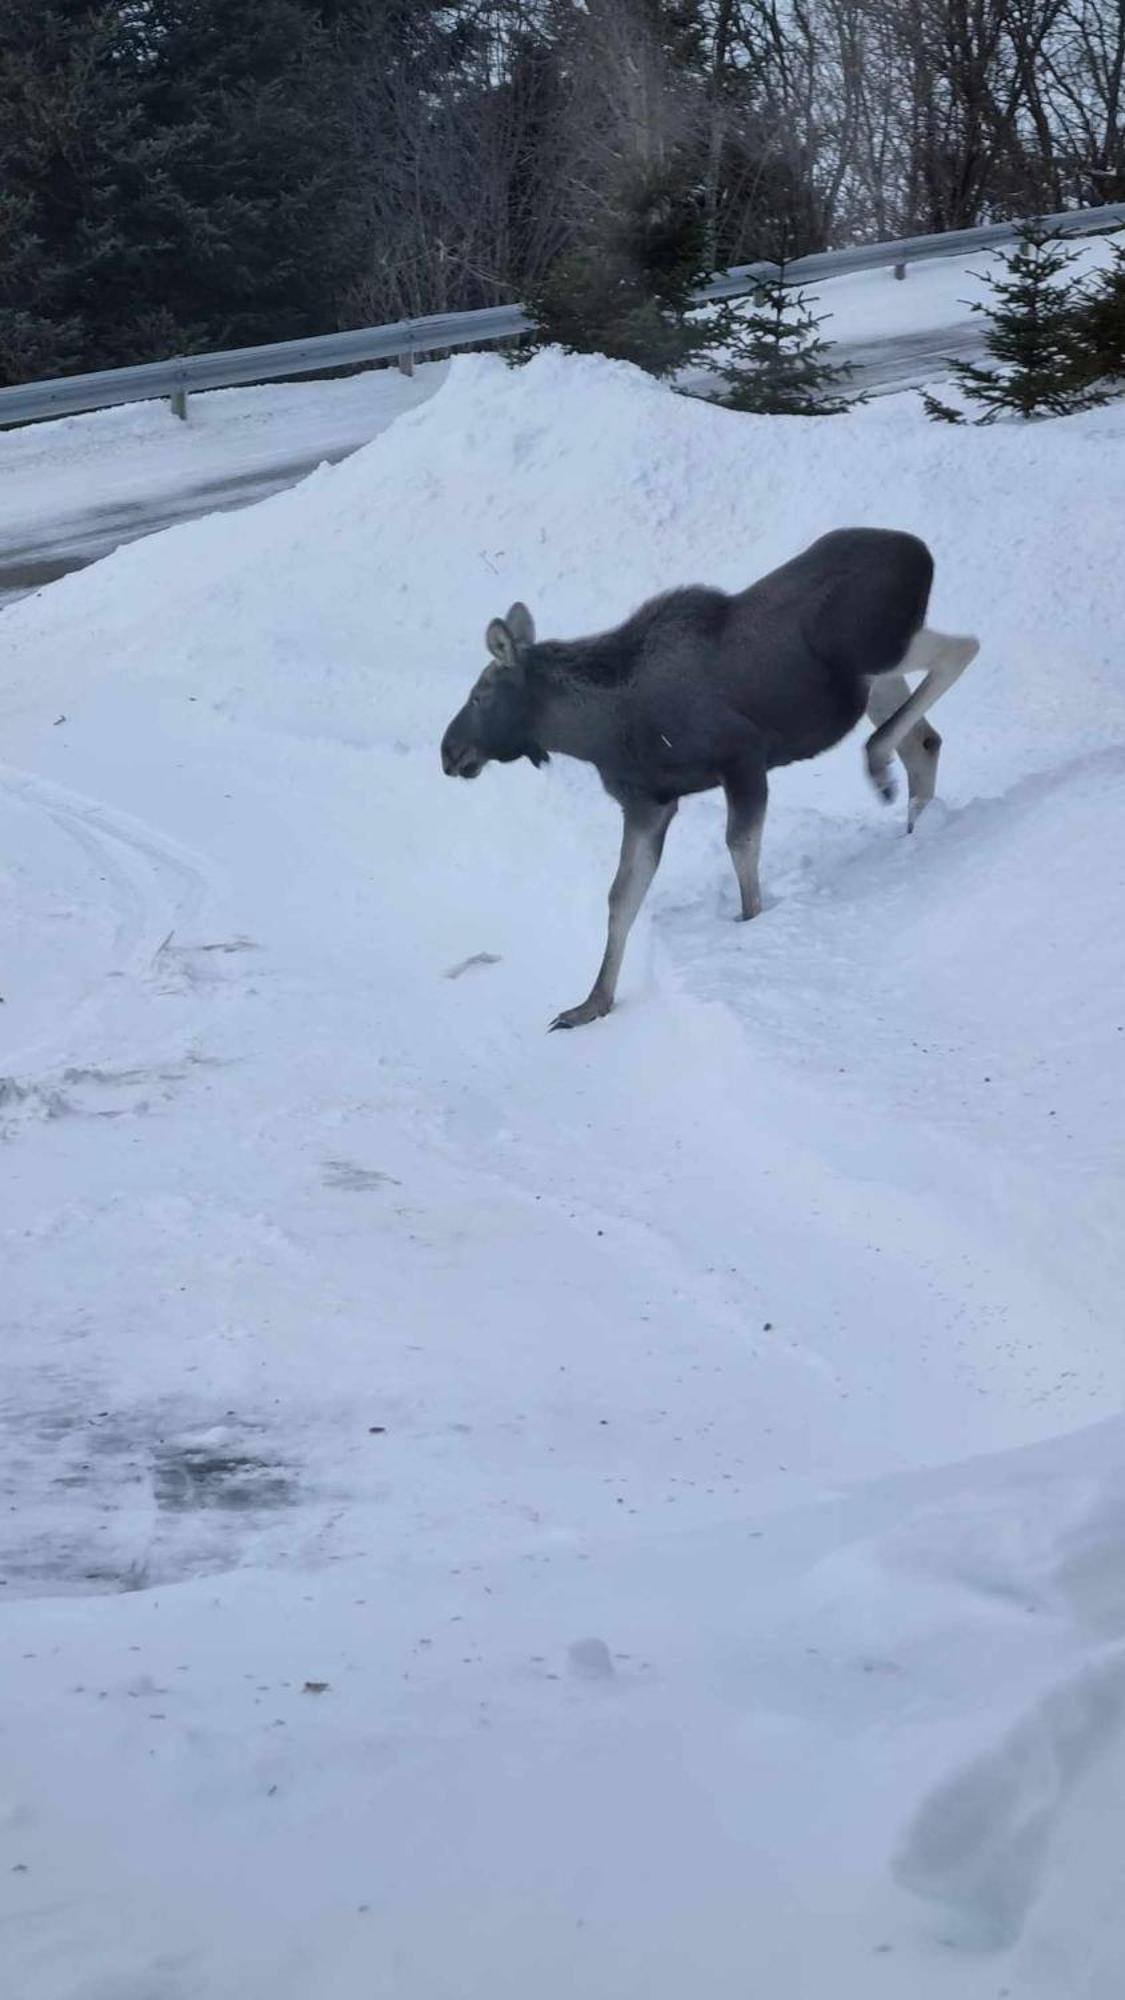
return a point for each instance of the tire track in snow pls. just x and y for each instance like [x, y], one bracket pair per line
[153, 885]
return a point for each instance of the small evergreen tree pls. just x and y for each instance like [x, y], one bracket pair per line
[1033, 340]
[1101, 323]
[626, 289]
[778, 363]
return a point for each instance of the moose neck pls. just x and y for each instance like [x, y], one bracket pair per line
[575, 692]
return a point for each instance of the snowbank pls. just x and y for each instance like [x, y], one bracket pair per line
[79, 486]
[372, 1354]
[352, 607]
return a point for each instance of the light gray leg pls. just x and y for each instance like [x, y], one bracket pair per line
[919, 750]
[747, 796]
[942, 658]
[642, 844]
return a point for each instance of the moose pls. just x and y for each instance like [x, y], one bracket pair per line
[699, 688]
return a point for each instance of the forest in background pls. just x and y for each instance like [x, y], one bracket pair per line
[183, 174]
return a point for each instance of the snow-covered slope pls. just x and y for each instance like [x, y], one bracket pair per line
[631, 1513]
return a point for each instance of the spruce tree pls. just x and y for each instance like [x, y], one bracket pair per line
[1101, 323]
[1035, 366]
[237, 198]
[63, 107]
[626, 289]
[174, 174]
[778, 363]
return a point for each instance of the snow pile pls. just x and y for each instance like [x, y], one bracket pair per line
[585, 486]
[650, 1497]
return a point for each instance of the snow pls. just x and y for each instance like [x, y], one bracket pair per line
[630, 1513]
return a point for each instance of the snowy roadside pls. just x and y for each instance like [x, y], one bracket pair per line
[648, 1500]
[71, 490]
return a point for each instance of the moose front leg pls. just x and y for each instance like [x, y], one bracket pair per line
[642, 844]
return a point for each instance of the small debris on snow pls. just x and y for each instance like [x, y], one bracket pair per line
[590, 1660]
[315, 1687]
[345, 1174]
[467, 964]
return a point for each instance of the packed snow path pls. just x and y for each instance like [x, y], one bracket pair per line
[633, 1513]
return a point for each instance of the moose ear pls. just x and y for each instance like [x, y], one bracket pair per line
[500, 642]
[521, 625]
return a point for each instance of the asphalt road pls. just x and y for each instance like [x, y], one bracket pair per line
[72, 541]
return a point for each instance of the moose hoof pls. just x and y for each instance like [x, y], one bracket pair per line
[592, 1009]
[882, 777]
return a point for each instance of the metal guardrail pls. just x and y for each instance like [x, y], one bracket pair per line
[190, 373]
[909, 250]
[27, 402]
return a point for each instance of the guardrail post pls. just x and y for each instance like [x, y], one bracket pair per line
[406, 361]
[900, 270]
[178, 401]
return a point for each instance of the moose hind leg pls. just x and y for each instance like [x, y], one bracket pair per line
[642, 844]
[919, 751]
[747, 796]
[942, 659]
